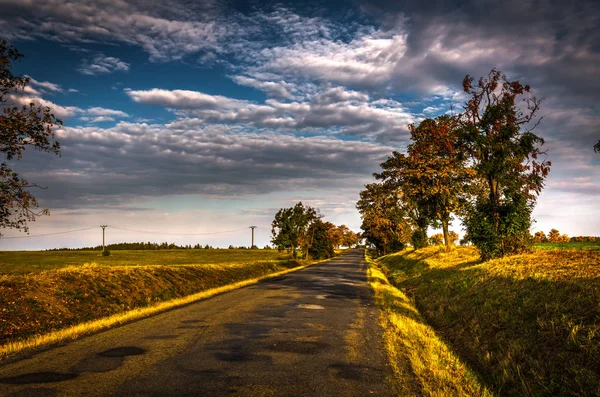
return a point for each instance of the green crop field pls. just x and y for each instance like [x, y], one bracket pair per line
[568, 246]
[19, 262]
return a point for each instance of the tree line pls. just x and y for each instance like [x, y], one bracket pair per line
[137, 246]
[554, 236]
[301, 229]
[483, 165]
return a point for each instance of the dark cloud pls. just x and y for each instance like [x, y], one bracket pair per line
[130, 162]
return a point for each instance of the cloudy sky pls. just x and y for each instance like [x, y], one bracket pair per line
[188, 118]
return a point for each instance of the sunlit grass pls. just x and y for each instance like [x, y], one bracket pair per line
[34, 261]
[89, 327]
[527, 324]
[422, 363]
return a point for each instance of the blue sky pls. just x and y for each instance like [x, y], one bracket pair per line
[209, 116]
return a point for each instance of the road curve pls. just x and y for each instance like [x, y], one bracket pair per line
[308, 333]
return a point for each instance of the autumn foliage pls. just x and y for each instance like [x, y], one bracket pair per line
[484, 166]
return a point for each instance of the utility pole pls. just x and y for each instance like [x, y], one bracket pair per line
[103, 246]
[252, 227]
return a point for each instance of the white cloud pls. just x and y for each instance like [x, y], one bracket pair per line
[334, 110]
[62, 112]
[102, 64]
[98, 111]
[45, 85]
[184, 99]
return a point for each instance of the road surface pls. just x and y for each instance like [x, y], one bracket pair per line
[309, 333]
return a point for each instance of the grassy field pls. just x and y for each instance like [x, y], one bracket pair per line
[45, 292]
[423, 364]
[528, 325]
[20, 262]
[588, 246]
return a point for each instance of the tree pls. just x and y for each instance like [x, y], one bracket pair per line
[383, 220]
[349, 238]
[399, 175]
[438, 173]
[554, 236]
[540, 237]
[597, 147]
[290, 226]
[453, 237]
[322, 239]
[505, 159]
[20, 127]
[436, 239]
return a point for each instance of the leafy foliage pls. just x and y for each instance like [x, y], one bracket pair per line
[384, 220]
[438, 174]
[20, 127]
[290, 227]
[322, 239]
[505, 160]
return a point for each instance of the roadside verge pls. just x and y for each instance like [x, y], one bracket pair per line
[422, 363]
[99, 291]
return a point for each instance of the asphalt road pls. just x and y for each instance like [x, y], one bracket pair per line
[308, 333]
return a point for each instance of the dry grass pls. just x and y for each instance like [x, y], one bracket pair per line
[527, 324]
[89, 327]
[422, 363]
[43, 302]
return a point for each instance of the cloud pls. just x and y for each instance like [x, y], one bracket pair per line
[333, 110]
[98, 111]
[62, 112]
[130, 161]
[183, 99]
[165, 32]
[276, 89]
[102, 64]
[45, 86]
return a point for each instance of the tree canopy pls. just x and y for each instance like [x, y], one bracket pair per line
[20, 127]
[482, 165]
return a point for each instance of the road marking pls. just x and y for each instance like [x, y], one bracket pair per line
[311, 307]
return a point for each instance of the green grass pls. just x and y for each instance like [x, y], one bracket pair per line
[568, 246]
[20, 262]
[528, 325]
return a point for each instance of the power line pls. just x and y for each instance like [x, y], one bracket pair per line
[47, 234]
[127, 230]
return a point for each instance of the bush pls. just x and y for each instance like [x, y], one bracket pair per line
[106, 253]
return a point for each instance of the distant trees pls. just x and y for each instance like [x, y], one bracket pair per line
[302, 227]
[290, 227]
[481, 165]
[540, 237]
[20, 127]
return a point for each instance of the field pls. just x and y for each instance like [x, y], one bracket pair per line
[527, 325]
[568, 246]
[45, 292]
[20, 262]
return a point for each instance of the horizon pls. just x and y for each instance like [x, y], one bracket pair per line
[194, 119]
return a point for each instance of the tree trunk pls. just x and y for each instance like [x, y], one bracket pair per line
[446, 235]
